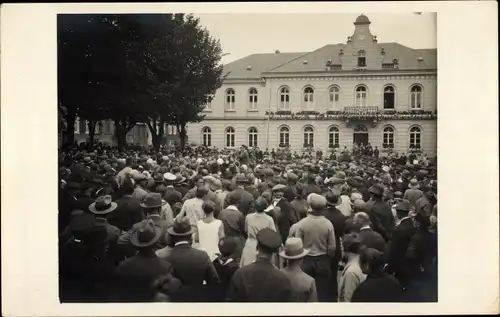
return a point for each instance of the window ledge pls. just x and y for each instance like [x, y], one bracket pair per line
[207, 110]
[252, 110]
[229, 110]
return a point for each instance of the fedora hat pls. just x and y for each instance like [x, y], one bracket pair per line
[103, 205]
[169, 177]
[413, 184]
[147, 234]
[294, 249]
[376, 189]
[181, 227]
[158, 178]
[180, 179]
[330, 199]
[153, 200]
[403, 205]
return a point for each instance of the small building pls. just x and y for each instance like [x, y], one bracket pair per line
[105, 133]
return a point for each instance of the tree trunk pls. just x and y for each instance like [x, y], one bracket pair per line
[157, 130]
[182, 136]
[121, 130]
[91, 125]
[156, 142]
[69, 134]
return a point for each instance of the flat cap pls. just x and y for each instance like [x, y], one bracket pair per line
[279, 187]
[269, 238]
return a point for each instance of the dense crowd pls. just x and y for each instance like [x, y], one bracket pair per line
[246, 225]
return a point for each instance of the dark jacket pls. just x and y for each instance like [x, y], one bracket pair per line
[172, 196]
[259, 282]
[253, 191]
[225, 267]
[135, 277]
[382, 219]
[396, 256]
[127, 213]
[378, 288]
[421, 254]
[192, 267]
[372, 239]
[338, 221]
[286, 218]
[289, 194]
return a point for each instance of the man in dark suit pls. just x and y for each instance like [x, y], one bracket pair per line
[246, 203]
[129, 209]
[179, 185]
[287, 216]
[290, 191]
[369, 238]
[380, 213]
[338, 221]
[396, 258]
[191, 266]
[261, 281]
[172, 195]
[136, 274]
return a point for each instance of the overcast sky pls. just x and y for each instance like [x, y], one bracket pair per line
[244, 34]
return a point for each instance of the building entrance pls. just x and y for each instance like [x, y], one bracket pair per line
[360, 135]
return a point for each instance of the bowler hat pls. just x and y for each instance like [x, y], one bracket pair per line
[147, 234]
[376, 189]
[181, 227]
[269, 238]
[294, 249]
[153, 200]
[103, 205]
[158, 178]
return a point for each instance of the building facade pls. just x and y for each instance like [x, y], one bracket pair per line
[359, 91]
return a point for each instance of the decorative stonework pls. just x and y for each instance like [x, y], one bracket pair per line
[357, 78]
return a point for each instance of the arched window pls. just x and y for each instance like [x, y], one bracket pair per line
[208, 104]
[252, 137]
[388, 137]
[230, 137]
[252, 98]
[415, 138]
[284, 98]
[333, 137]
[284, 136]
[308, 137]
[206, 136]
[416, 97]
[308, 97]
[361, 96]
[389, 97]
[77, 125]
[230, 99]
[334, 94]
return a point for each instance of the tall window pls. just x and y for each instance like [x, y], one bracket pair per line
[208, 105]
[252, 98]
[77, 125]
[361, 95]
[284, 136]
[84, 126]
[416, 97]
[206, 134]
[333, 137]
[308, 137]
[415, 138]
[388, 137]
[334, 95]
[230, 137]
[252, 137]
[308, 97]
[389, 97]
[284, 98]
[361, 59]
[230, 99]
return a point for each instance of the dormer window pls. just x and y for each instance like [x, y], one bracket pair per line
[361, 59]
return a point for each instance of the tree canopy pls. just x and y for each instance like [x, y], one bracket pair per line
[150, 68]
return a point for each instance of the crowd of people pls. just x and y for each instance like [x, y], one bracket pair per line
[213, 225]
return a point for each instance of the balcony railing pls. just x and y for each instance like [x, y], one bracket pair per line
[361, 109]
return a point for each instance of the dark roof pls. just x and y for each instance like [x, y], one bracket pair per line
[259, 63]
[315, 61]
[362, 19]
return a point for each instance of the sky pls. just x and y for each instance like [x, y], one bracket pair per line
[241, 35]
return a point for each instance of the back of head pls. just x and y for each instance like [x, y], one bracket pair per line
[260, 204]
[316, 202]
[128, 186]
[362, 218]
[233, 198]
[331, 197]
[373, 259]
[352, 243]
[208, 207]
[201, 192]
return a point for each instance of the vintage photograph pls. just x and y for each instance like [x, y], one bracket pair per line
[247, 157]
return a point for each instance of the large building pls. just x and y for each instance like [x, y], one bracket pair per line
[361, 90]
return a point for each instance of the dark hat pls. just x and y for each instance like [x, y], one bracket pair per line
[227, 245]
[377, 189]
[241, 178]
[181, 227]
[97, 236]
[403, 205]
[153, 200]
[332, 199]
[103, 205]
[138, 177]
[335, 181]
[371, 171]
[81, 224]
[158, 178]
[147, 234]
[269, 238]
